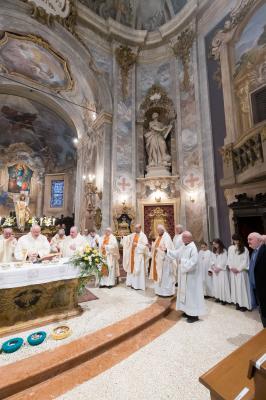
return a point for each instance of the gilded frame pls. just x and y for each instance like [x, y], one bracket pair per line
[45, 45]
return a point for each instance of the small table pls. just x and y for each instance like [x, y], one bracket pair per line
[36, 294]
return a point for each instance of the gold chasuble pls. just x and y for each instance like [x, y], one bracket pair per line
[133, 249]
[154, 274]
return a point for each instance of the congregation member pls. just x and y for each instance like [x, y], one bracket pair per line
[135, 258]
[218, 269]
[177, 240]
[33, 245]
[58, 241]
[257, 273]
[92, 238]
[73, 243]
[109, 249]
[7, 245]
[163, 268]
[205, 256]
[238, 262]
[190, 297]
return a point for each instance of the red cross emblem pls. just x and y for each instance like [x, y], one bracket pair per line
[191, 181]
[123, 184]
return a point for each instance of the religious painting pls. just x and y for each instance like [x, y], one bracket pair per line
[48, 136]
[19, 178]
[31, 58]
[253, 36]
[57, 193]
[155, 215]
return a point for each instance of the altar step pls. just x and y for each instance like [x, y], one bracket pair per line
[52, 373]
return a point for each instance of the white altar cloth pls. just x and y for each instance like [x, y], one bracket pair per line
[34, 274]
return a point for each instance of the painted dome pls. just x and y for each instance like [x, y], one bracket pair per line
[138, 14]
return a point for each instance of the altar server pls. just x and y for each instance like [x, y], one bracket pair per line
[238, 262]
[109, 249]
[205, 256]
[178, 242]
[58, 241]
[32, 245]
[73, 243]
[135, 258]
[7, 245]
[163, 268]
[218, 269]
[92, 239]
[190, 297]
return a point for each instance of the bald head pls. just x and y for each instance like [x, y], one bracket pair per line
[187, 237]
[160, 230]
[254, 240]
[35, 231]
[108, 231]
[178, 229]
[263, 238]
[7, 233]
[74, 232]
[137, 228]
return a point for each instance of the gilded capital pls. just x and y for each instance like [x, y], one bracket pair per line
[125, 58]
[182, 49]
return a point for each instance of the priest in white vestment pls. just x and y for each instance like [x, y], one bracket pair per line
[108, 247]
[238, 264]
[58, 241]
[92, 239]
[190, 297]
[178, 242]
[163, 268]
[33, 245]
[7, 245]
[205, 258]
[73, 243]
[135, 258]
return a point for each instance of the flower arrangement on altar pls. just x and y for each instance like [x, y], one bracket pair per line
[9, 222]
[91, 263]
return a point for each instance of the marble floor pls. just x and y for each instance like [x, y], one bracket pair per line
[169, 366]
[112, 305]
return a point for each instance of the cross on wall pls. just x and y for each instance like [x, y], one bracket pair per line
[191, 180]
[123, 184]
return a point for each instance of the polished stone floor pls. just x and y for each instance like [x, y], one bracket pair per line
[169, 366]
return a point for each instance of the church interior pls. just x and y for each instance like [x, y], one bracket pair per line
[122, 118]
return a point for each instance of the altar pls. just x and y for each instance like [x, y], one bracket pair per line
[36, 294]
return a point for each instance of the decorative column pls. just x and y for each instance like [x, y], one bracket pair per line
[40, 191]
[193, 205]
[124, 134]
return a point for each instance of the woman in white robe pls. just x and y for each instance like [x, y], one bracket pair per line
[238, 263]
[221, 288]
[205, 256]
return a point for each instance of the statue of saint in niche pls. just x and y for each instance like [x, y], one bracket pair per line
[156, 143]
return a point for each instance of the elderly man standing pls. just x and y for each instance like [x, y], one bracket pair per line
[178, 242]
[73, 243]
[109, 249]
[135, 258]
[257, 273]
[7, 245]
[190, 296]
[163, 268]
[33, 245]
[58, 241]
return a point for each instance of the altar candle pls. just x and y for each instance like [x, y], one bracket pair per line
[41, 219]
[53, 221]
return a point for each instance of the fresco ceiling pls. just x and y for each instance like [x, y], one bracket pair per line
[138, 14]
[46, 133]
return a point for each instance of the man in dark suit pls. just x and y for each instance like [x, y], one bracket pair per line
[257, 272]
